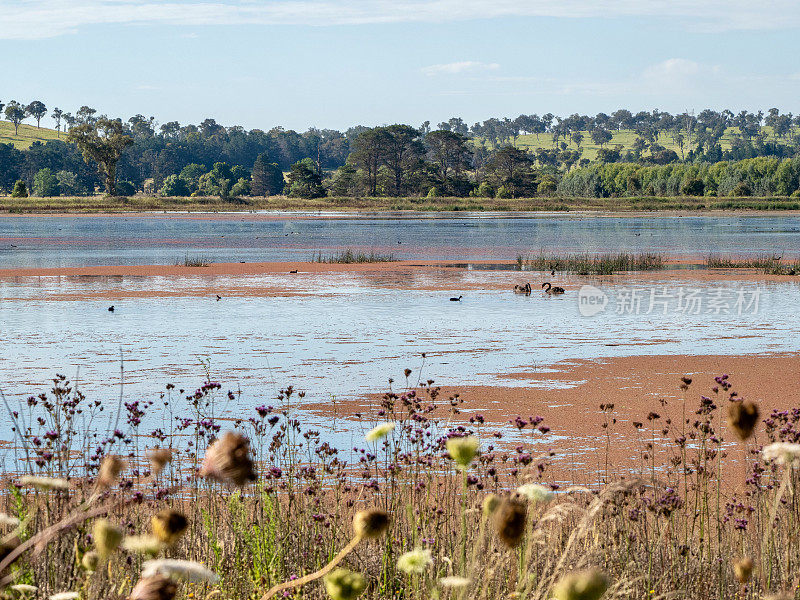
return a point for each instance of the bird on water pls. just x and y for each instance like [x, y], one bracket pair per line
[456, 299]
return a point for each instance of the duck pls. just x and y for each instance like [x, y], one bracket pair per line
[219, 297]
[553, 291]
[456, 299]
[111, 308]
[293, 271]
[523, 289]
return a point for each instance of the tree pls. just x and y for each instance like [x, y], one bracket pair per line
[68, 183]
[449, 153]
[103, 143]
[20, 190]
[304, 180]
[266, 178]
[601, 136]
[57, 114]
[369, 154]
[511, 168]
[85, 115]
[15, 113]
[402, 154]
[174, 186]
[45, 184]
[37, 110]
[218, 181]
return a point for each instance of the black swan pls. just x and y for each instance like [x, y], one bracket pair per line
[552, 290]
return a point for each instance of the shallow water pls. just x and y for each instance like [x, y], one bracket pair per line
[160, 239]
[347, 334]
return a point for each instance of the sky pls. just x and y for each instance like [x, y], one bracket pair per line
[338, 63]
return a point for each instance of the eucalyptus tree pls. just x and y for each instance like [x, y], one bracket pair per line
[37, 110]
[15, 112]
[102, 142]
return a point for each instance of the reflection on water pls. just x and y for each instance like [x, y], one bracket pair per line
[152, 239]
[343, 338]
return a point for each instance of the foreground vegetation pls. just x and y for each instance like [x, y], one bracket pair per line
[434, 502]
[100, 204]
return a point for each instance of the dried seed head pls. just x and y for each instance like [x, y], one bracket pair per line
[582, 585]
[155, 587]
[407, 372]
[143, 544]
[742, 418]
[490, 504]
[415, 562]
[509, 520]
[743, 570]
[462, 450]
[228, 460]
[109, 471]
[106, 536]
[371, 524]
[159, 459]
[168, 526]
[90, 560]
[342, 584]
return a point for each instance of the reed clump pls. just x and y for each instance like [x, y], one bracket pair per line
[350, 257]
[592, 264]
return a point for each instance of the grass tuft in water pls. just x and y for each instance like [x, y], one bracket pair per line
[595, 264]
[349, 257]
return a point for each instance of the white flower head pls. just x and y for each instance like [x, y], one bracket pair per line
[24, 588]
[782, 453]
[144, 544]
[8, 520]
[535, 492]
[454, 581]
[65, 596]
[187, 569]
[380, 431]
[415, 561]
[44, 483]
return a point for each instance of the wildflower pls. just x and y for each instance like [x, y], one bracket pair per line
[155, 587]
[228, 460]
[8, 520]
[463, 450]
[342, 584]
[159, 459]
[781, 452]
[454, 581]
[90, 560]
[370, 524]
[189, 570]
[65, 596]
[143, 544]
[415, 561]
[106, 537]
[109, 471]
[581, 585]
[168, 526]
[44, 483]
[379, 432]
[509, 521]
[24, 588]
[742, 418]
[743, 570]
[490, 504]
[535, 492]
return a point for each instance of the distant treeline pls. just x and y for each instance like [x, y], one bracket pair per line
[759, 157]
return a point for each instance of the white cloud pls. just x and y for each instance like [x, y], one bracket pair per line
[457, 68]
[31, 19]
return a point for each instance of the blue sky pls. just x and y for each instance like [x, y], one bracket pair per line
[336, 63]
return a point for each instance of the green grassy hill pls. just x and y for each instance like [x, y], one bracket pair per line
[27, 135]
[625, 137]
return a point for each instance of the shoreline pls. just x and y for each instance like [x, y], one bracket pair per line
[388, 213]
[492, 279]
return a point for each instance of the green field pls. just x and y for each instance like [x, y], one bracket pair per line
[624, 137]
[27, 135]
